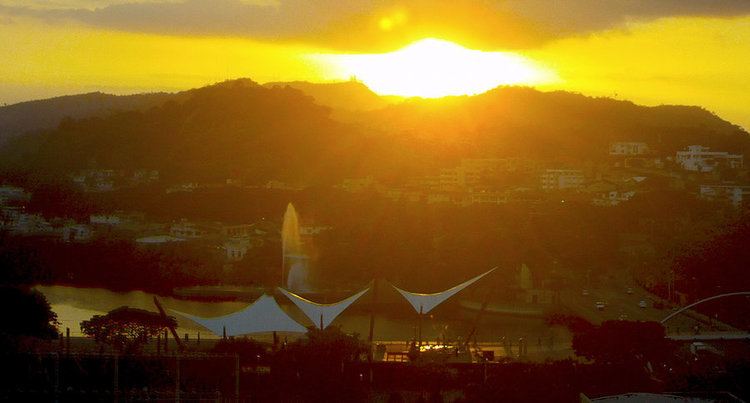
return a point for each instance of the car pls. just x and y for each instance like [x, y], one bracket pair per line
[600, 305]
[623, 316]
[642, 303]
[629, 291]
[585, 292]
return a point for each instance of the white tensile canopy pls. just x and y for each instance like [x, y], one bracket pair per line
[424, 303]
[321, 314]
[263, 315]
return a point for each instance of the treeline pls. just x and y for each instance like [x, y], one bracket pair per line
[718, 264]
[414, 244]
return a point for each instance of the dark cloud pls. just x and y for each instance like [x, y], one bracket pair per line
[354, 24]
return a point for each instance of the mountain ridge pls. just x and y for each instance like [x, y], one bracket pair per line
[239, 128]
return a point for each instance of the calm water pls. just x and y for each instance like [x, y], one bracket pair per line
[73, 305]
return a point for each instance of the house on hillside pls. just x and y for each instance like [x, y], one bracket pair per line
[628, 148]
[12, 194]
[236, 248]
[730, 193]
[189, 230]
[562, 179]
[77, 233]
[700, 159]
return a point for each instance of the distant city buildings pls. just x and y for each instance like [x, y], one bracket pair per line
[236, 248]
[730, 193]
[700, 159]
[107, 180]
[77, 233]
[561, 179]
[628, 148]
[12, 194]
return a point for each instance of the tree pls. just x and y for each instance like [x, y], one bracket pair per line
[318, 363]
[26, 313]
[619, 342]
[249, 351]
[126, 329]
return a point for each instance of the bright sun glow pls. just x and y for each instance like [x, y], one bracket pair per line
[434, 68]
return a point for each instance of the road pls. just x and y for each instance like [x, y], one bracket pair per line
[621, 305]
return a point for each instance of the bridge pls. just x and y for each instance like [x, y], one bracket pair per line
[736, 335]
[710, 336]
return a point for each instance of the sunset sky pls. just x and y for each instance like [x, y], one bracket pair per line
[693, 52]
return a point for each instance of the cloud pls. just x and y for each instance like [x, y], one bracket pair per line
[367, 25]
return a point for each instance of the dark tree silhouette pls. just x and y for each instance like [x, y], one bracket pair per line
[26, 313]
[126, 329]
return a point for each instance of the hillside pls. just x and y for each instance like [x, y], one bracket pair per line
[514, 121]
[233, 129]
[243, 130]
[344, 96]
[47, 113]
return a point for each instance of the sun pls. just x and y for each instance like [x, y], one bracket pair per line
[432, 68]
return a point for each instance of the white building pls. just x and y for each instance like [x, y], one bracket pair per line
[612, 198]
[26, 224]
[187, 229]
[559, 179]
[627, 148]
[355, 185]
[311, 230]
[236, 248]
[700, 159]
[734, 194]
[13, 194]
[77, 233]
[489, 197]
[105, 219]
[237, 230]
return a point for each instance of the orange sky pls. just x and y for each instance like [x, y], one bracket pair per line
[676, 52]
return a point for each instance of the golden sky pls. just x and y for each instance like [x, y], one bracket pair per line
[694, 52]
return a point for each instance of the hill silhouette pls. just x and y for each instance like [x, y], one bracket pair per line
[517, 121]
[47, 113]
[344, 96]
[232, 129]
[239, 129]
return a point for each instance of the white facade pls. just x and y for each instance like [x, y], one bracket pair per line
[12, 193]
[628, 148]
[612, 198]
[489, 198]
[313, 229]
[734, 194]
[77, 233]
[558, 179]
[25, 224]
[105, 219]
[187, 229]
[701, 159]
[355, 185]
[236, 249]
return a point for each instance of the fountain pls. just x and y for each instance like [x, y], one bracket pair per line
[294, 262]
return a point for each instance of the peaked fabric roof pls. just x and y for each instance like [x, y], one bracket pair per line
[324, 313]
[424, 303]
[263, 315]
